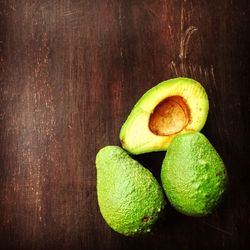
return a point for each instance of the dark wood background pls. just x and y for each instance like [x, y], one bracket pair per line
[70, 73]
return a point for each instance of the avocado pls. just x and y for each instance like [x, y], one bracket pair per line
[193, 174]
[129, 197]
[172, 107]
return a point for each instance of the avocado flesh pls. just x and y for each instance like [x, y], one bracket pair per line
[129, 197]
[172, 107]
[193, 175]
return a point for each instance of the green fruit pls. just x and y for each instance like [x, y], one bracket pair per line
[193, 175]
[172, 107]
[129, 197]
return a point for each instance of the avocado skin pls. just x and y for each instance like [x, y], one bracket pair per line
[193, 175]
[129, 197]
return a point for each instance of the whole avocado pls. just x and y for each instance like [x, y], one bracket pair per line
[193, 175]
[129, 197]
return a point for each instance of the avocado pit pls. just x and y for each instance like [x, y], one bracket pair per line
[170, 116]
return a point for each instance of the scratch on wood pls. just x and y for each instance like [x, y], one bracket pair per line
[206, 74]
[200, 70]
[173, 68]
[71, 12]
[121, 43]
[182, 67]
[149, 9]
[192, 69]
[120, 24]
[182, 19]
[185, 41]
[217, 228]
[212, 73]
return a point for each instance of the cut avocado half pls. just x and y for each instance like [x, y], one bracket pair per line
[172, 107]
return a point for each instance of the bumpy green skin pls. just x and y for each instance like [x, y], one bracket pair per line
[129, 197]
[193, 175]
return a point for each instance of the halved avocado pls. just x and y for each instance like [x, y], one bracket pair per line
[172, 107]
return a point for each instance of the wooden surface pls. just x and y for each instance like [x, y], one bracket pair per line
[70, 73]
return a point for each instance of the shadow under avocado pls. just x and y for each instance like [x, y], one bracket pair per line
[152, 161]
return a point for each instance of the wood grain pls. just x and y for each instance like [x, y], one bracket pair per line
[70, 72]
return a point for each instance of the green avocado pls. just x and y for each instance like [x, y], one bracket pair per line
[193, 175]
[129, 197]
[172, 107]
